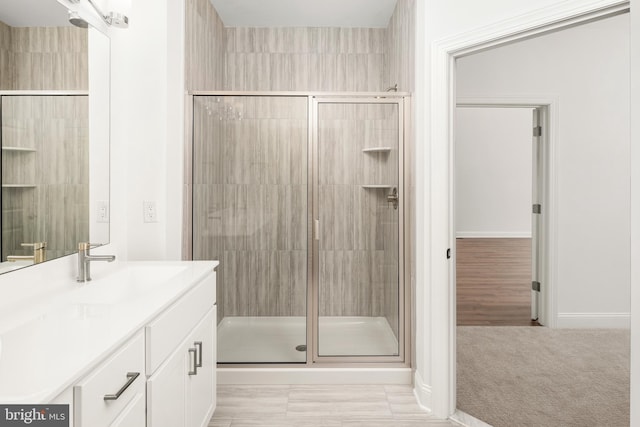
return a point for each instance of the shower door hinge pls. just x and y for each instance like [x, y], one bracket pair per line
[535, 286]
[537, 131]
[537, 208]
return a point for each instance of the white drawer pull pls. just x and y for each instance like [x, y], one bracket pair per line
[131, 378]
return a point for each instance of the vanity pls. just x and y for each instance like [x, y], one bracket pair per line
[133, 347]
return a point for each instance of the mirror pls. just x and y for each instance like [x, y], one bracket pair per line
[54, 118]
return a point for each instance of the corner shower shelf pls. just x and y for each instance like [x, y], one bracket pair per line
[376, 150]
[18, 149]
[377, 186]
[19, 186]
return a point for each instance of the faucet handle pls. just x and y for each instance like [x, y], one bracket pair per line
[35, 246]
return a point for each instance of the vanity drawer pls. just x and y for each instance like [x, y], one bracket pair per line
[103, 395]
[168, 330]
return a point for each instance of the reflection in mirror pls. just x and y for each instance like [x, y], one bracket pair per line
[54, 117]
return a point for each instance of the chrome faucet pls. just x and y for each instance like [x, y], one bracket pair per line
[85, 258]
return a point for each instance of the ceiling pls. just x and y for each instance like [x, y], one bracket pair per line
[33, 13]
[234, 13]
[305, 13]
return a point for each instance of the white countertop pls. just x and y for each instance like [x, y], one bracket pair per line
[51, 342]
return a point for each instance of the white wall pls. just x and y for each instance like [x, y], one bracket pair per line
[147, 139]
[493, 165]
[586, 68]
[442, 25]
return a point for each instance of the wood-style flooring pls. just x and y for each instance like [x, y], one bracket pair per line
[320, 406]
[493, 282]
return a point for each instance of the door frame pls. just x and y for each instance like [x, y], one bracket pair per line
[401, 100]
[435, 381]
[548, 273]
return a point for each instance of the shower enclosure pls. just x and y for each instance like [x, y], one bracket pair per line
[301, 198]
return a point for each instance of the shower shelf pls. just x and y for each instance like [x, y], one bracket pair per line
[377, 186]
[18, 149]
[19, 186]
[376, 150]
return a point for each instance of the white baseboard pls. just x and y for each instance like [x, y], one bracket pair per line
[303, 375]
[493, 234]
[422, 392]
[594, 320]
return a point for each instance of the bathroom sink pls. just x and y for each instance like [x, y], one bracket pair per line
[130, 282]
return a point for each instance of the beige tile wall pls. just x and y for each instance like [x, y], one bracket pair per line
[5, 56]
[44, 58]
[204, 47]
[56, 209]
[358, 227]
[250, 181]
[399, 49]
[305, 59]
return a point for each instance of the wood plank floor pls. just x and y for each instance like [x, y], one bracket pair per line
[493, 282]
[320, 406]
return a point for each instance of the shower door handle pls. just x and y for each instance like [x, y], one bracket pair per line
[393, 198]
[316, 229]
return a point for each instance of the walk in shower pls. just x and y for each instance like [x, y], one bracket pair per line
[301, 198]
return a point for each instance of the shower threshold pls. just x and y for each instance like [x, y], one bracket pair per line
[271, 339]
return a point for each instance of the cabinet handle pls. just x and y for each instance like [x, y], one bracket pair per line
[131, 378]
[198, 344]
[195, 363]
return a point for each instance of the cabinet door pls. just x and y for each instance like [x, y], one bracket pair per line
[202, 385]
[166, 392]
[133, 414]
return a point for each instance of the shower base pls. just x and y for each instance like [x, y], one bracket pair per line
[274, 339]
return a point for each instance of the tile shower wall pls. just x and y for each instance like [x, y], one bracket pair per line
[44, 58]
[204, 46]
[5, 56]
[250, 197]
[358, 227]
[305, 59]
[45, 186]
[399, 50]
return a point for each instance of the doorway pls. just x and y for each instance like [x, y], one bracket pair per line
[500, 166]
[586, 168]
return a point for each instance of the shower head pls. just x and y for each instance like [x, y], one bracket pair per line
[75, 19]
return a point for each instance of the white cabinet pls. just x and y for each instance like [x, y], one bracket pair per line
[201, 381]
[112, 393]
[181, 391]
[158, 366]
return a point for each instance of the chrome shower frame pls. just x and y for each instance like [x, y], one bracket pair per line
[405, 290]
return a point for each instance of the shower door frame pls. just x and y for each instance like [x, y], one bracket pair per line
[405, 291]
[313, 293]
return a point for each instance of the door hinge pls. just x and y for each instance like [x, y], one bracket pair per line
[535, 286]
[537, 131]
[537, 208]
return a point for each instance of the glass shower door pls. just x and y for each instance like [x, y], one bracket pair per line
[250, 212]
[358, 218]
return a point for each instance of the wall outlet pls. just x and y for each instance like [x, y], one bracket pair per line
[102, 211]
[149, 211]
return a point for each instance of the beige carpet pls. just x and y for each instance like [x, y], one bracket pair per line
[536, 376]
